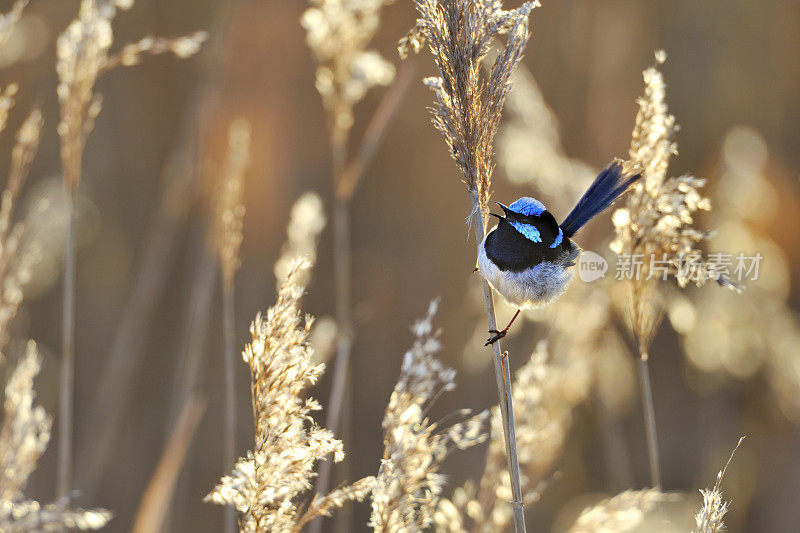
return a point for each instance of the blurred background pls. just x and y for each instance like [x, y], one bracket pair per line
[722, 365]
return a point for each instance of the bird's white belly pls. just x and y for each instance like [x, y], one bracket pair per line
[528, 289]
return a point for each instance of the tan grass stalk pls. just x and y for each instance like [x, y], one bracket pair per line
[157, 499]
[467, 112]
[179, 175]
[228, 225]
[338, 33]
[406, 495]
[82, 57]
[24, 435]
[265, 486]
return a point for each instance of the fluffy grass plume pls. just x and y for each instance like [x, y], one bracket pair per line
[655, 231]
[338, 32]
[17, 254]
[229, 209]
[265, 486]
[306, 222]
[709, 518]
[657, 222]
[82, 57]
[409, 483]
[10, 18]
[24, 436]
[468, 104]
[621, 513]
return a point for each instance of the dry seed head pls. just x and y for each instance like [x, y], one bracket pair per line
[266, 484]
[468, 103]
[82, 52]
[24, 436]
[657, 222]
[709, 519]
[306, 222]
[17, 255]
[408, 485]
[229, 211]
[623, 512]
[338, 32]
[10, 19]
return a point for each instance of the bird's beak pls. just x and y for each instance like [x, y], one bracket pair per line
[505, 209]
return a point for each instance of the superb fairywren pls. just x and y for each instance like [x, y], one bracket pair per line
[528, 257]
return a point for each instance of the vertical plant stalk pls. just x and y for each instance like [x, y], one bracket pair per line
[156, 502]
[229, 336]
[343, 297]
[228, 221]
[67, 370]
[503, 375]
[649, 420]
[346, 177]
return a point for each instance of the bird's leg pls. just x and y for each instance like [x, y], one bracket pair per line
[497, 335]
[475, 270]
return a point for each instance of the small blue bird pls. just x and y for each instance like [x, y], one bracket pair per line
[527, 257]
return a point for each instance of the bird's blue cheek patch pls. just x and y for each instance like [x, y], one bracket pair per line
[559, 238]
[530, 232]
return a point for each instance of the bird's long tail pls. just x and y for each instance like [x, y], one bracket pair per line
[612, 182]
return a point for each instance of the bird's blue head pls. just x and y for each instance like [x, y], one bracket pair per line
[525, 214]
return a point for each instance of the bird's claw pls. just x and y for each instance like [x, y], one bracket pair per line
[496, 337]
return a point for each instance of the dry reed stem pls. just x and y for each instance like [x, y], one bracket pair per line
[179, 176]
[338, 33]
[229, 214]
[67, 373]
[467, 110]
[157, 498]
[82, 57]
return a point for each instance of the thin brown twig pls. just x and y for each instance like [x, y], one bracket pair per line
[377, 128]
[154, 507]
